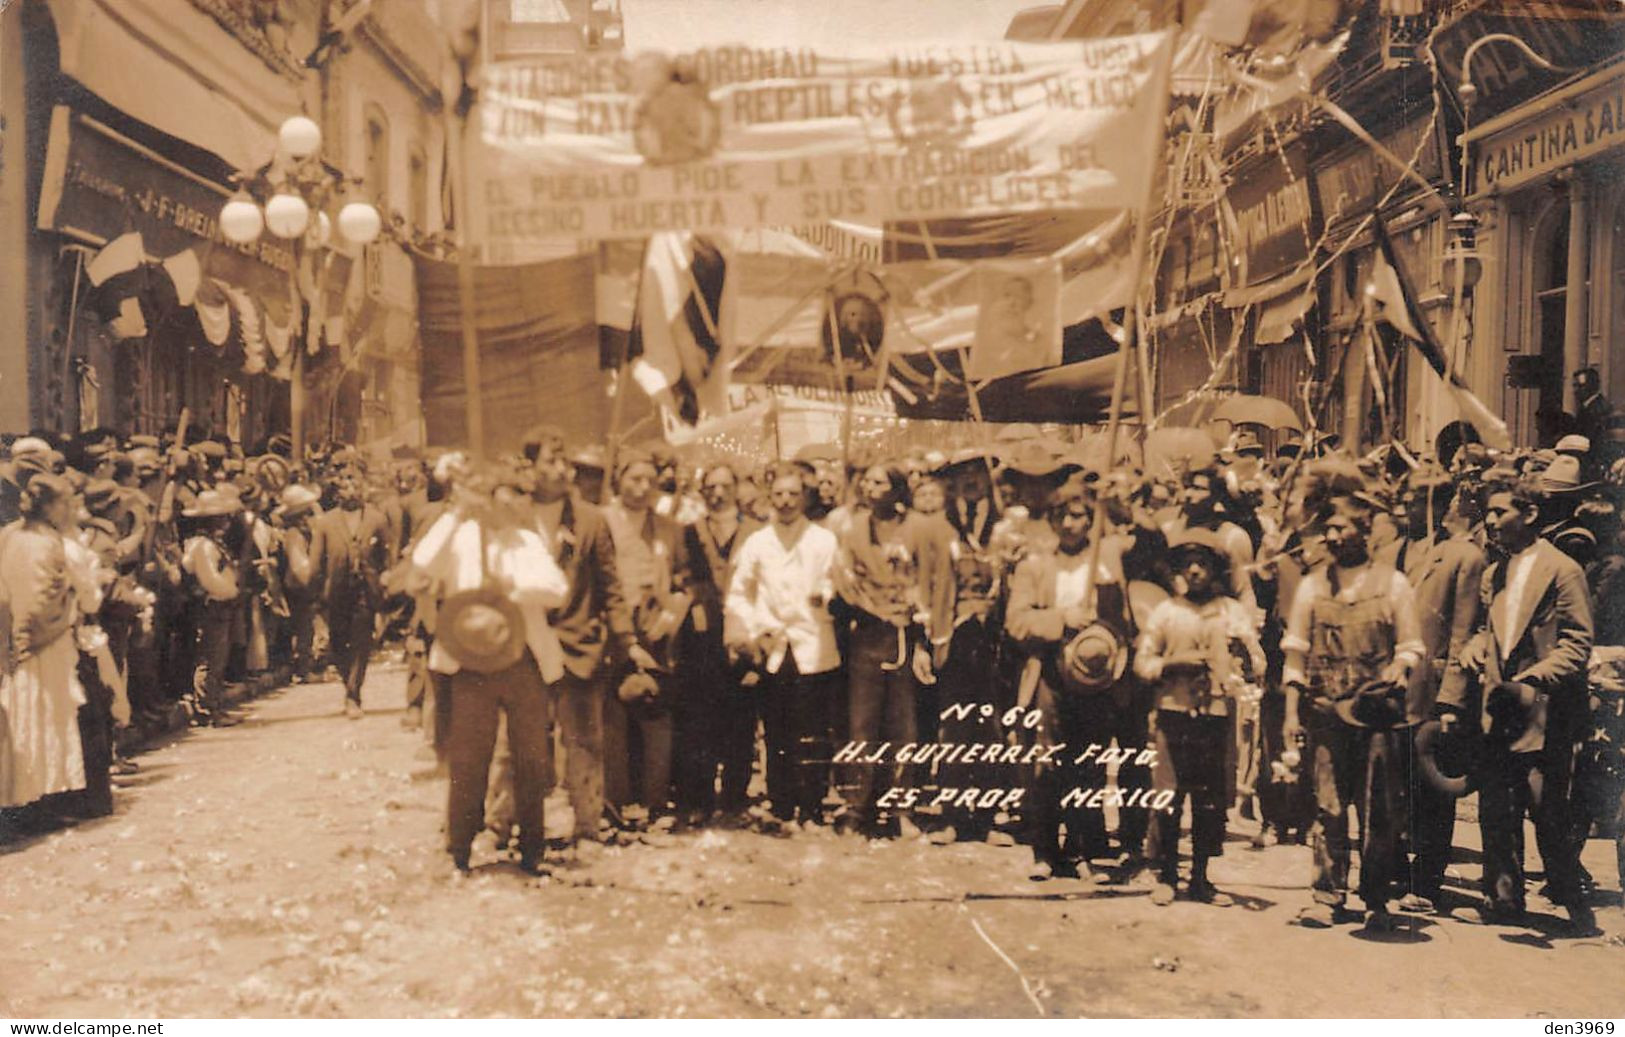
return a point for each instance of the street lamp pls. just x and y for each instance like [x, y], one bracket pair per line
[295, 184]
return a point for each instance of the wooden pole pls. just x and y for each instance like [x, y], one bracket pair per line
[1161, 82]
[474, 407]
[296, 370]
[623, 369]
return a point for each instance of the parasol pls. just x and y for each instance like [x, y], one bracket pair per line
[1257, 410]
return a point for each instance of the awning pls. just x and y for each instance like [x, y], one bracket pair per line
[215, 96]
[1278, 317]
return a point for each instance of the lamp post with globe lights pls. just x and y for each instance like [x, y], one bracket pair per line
[282, 197]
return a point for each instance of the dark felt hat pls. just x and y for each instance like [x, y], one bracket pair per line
[482, 629]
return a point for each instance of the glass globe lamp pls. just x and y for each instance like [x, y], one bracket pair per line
[360, 223]
[287, 215]
[300, 137]
[241, 220]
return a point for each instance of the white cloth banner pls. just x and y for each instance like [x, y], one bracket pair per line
[606, 146]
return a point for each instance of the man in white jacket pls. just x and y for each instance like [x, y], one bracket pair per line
[778, 612]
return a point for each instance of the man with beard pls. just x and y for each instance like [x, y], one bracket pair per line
[652, 562]
[716, 717]
[896, 584]
[967, 672]
[1531, 656]
[593, 619]
[1352, 632]
[353, 545]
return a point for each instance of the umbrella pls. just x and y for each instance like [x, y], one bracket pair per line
[1178, 448]
[1257, 410]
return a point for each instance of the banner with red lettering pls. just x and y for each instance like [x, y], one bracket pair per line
[610, 146]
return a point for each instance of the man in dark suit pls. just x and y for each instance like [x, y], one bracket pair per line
[353, 543]
[651, 559]
[1447, 576]
[715, 715]
[594, 620]
[1531, 654]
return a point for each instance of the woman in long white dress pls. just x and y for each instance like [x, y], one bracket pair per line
[40, 693]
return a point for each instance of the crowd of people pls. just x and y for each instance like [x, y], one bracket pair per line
[1012, 643]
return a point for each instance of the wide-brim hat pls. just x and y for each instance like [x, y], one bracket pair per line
[209, 450]
[482, 629]
[271, 472]
[213, 504]
[1446, 759]
[966, 457]
[1245, 443]
[1035, 460]
[590, 457]
[1375, 704]
[102, 496]
[297, 498]
[1094, 659]
[1562, 477]
[818, 452]
[1573, 444]
[1196, 538]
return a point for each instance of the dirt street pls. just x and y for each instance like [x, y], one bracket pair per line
[292, 866]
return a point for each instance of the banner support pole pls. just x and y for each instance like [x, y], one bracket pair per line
[1161, 90]
[474, 405]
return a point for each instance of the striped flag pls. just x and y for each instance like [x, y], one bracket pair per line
[1393, 301]
[678, 356]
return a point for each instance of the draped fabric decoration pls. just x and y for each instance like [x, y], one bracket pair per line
[132, 295]
[279, 337]
[186, 272]
[248, 328]
[213, 312]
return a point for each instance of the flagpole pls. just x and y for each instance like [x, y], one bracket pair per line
[1161, 90]
[623, 365]
[67, 338]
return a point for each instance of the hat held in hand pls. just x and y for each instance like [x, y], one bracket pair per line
[1376, 704]
[1094, 659]
[482, 629]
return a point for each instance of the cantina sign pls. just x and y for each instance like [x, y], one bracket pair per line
[601, 146]
[1562, 134]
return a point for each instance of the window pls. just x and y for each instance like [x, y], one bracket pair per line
[417, 175]
[376, 157]
[551, 12]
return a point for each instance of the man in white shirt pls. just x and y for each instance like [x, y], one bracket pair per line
[778, 608]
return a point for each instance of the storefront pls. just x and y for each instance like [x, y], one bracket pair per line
[1269, 213]
[1547, 179]
[1350, 182]
[217, 318]
[133, 117]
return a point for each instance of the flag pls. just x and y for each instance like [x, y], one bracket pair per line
[120, 256]
[130, 321]
[1393, 301]
[674, 335]
[186, 272]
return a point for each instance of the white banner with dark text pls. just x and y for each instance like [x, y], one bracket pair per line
[600, 146]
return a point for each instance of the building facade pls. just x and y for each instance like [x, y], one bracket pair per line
[126, 124]
[1267, 237]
